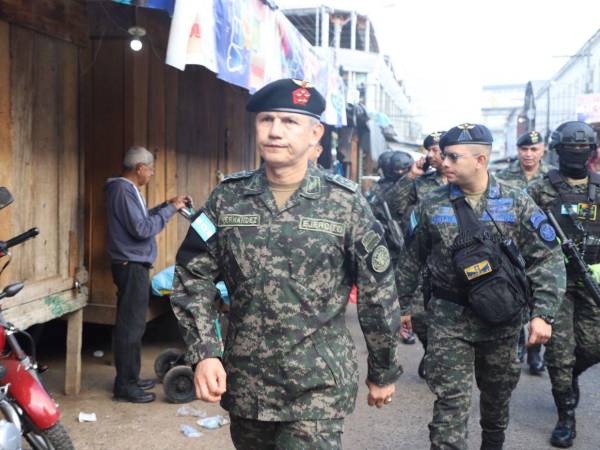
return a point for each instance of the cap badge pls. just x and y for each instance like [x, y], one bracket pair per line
[464, 134]
[535, 137]
[436, 136]
[301, 96]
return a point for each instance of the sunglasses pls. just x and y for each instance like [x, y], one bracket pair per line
[453, 157]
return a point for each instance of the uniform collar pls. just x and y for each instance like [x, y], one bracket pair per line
[311, 187]
[493, 189]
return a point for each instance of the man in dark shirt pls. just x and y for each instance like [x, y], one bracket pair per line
[132, 249]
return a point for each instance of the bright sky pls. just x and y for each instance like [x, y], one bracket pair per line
[446, 50]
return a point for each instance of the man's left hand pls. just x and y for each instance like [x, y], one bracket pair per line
[380, 395]
[539, 331]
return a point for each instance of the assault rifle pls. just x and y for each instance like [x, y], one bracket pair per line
[395, 236]
[572, 252]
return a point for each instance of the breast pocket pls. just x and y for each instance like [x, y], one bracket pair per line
[317, 262]
[240, 256]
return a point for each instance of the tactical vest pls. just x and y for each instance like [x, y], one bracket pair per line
[489, 268]
[578, 214]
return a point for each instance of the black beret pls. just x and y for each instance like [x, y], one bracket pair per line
[529, 138]
[433, 139]
[288, 95]
[467, 133]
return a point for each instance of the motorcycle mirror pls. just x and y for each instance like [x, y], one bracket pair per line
[6, 197]
[12, 289]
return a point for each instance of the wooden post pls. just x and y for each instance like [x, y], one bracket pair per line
[73, 363]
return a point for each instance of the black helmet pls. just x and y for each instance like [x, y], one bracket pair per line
[384, 161]
[573, 133]
[401, 161]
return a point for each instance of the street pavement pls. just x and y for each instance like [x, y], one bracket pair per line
[403, 423]
[400, 425]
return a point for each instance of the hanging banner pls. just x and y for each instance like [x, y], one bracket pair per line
[166, 5]
[248, 44]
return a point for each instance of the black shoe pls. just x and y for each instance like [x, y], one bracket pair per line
[146, 384]
[410, 339]
[536, 368]
[564, 432]
[421, 370]
[135, 395]
[492, 440]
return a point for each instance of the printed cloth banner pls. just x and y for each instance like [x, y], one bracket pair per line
[248, 44]
[167, 5]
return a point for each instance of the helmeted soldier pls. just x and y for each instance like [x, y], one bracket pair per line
[572, 193]
[289, 241]
[481, 242]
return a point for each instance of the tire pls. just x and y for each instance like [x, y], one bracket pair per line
[166, 360]
[178, 385]
[54, 438]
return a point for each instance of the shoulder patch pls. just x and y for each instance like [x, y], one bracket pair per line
[342, 181]
[547, 233]
[238, 176]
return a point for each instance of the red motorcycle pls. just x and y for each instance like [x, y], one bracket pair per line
[26, 403]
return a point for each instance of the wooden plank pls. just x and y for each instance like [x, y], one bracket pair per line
[36, 290]
[172, 240]
[5, 134]
[62, 19]
[22, 97]
[73, 357]
[46, 142]
[69, 226]
[104, 157]
[46, 308]
[156, 145]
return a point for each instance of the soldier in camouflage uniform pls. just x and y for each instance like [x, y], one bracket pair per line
[384, 183]
[289, 240]
[459, 341]
[573, 195]
[528, 168]
[405, 194]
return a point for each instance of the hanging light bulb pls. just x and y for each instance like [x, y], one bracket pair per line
[137, 33]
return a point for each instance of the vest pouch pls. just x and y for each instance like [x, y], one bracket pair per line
[489, 279]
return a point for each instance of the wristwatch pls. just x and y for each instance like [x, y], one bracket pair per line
[548, 319]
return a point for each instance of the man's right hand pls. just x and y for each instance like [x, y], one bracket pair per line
[416, 170]
[179, 201]
[210, 380]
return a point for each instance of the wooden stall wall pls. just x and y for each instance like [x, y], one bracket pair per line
[43, 164]
[195, 125]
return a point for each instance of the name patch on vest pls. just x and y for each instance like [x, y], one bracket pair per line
[322, 225]
[239, 220]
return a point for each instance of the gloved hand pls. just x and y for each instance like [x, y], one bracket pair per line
[595, 268]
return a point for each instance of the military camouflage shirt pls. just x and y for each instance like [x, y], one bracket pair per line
[288, 354]
[433, 229]
[515, 175]
[545, 195]
[406, 193]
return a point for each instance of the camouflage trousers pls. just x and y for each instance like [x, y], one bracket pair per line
[449, 362]
[575, 342]
[249, 434]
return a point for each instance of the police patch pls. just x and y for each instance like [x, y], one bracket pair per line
[204, 227]
[380, 260]
[413, 221]
[239, 220]
[478, 270]
[547, 233]
[370, 240]
[322, 225]
[537, 219]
